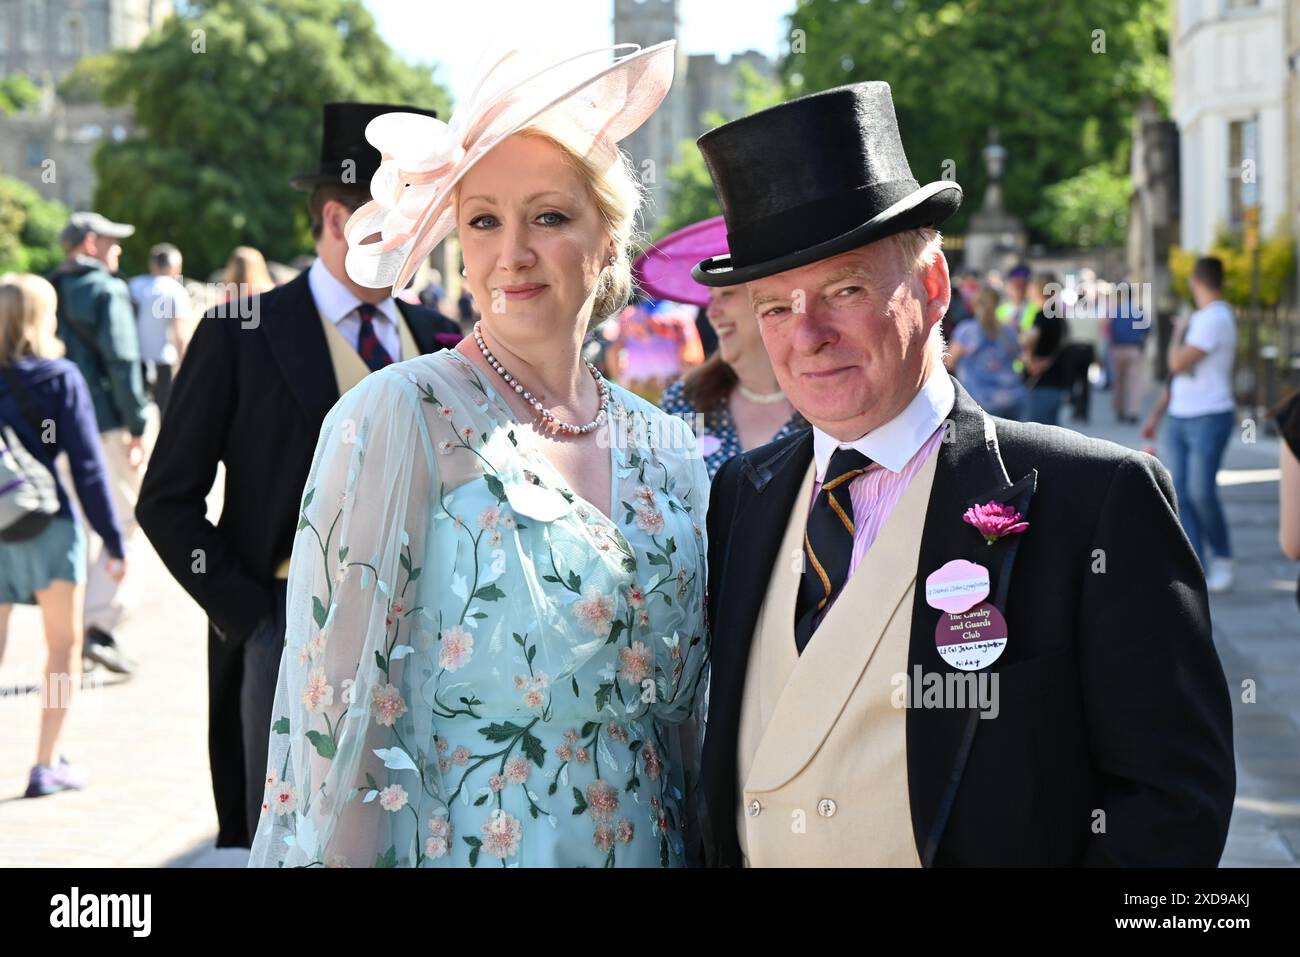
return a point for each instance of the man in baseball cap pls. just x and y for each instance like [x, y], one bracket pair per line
[96, 322]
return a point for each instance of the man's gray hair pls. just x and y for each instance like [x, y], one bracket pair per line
[165, 256]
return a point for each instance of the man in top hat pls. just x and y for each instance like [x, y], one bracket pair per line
[258, 378]
[976, 642]
[96, 323]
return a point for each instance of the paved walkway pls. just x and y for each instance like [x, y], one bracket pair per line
[145, 740]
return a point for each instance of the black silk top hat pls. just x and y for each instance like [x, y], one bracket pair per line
[813, 178]
[343, 137]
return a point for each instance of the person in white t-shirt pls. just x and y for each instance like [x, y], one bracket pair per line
[162, 304]
[1202, 413]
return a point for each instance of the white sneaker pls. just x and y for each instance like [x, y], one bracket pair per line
[1220, 576]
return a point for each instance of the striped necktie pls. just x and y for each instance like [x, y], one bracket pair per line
[827, 543]
[372, 351]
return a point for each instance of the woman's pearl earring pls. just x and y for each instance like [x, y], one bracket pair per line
[613, 260]
[464, 273]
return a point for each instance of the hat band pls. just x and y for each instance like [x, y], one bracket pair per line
[814, 222]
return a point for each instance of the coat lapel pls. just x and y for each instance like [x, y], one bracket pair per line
[291, 324]
[969, 472]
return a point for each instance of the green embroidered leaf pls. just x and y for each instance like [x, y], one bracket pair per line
[580, 802]
[323, 744]
[576, 692]
[379, 660]
[478, 802]
[415, 573]
[532, 747]
[656, 559]
[519, 639]
[551, 790]
[616, 630]
[474, 844]
[281, 726]
[672, 546]
[575, 583]
[311, 493]
[495, 487]
[343, 553]
[589, 728]
[477, 614]
[370, 782]
[602, 695]
[499, 731]
[552, 578]
[489, 593]
[532, 653]
[629, 564]
[387, 859]
[318, 611]
[303, 523]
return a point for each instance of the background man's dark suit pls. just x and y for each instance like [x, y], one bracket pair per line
[253, 399]
[1112, 696]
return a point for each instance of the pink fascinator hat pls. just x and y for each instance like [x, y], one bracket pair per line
[664, 269]
[422, 158]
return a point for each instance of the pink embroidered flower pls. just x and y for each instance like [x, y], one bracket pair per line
[636, 662]
[444, 765]
[435, 847]
[649, 520]
[501, 833]
[508, 521]
[571, 736]
[316, 644]
[445, 447]
[494, 539]
[646, 495]
[457, 648]
[603, 837]
[445, 412]
[681, 583]
[284, 800]
[595, 611]
[541, 680]
[625, 830]
[467, 433]
[653, 762]
[636, 596]
[272, 778]
[643, 618]
[516, 770]
[994, 520]
[392, 798]
[564, 752]
[460, 755]
[616, 732]
[489, 517]
[602, 799]
[317, 693]
[388, 705]
[533, 698]
[439, 827]
[497, 782]
[582, 755]
[441, 744]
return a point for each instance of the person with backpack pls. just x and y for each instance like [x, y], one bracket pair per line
[45, 410]
[97, 323]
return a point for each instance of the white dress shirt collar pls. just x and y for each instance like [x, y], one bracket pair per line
[336, 302]
[893, 444]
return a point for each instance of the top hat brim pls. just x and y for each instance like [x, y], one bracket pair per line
[930, 205]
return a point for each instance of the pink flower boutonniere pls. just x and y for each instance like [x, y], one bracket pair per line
[994, 520]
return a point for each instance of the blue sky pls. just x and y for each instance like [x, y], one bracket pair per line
[451, 33]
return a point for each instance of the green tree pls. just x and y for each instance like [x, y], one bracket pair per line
[228, 98]
[29, 228]
[17, 93]
[86, 81]
[1059, 81]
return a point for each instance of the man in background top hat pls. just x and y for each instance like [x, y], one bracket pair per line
[1052, 696]
[258, 378]
[96, 322]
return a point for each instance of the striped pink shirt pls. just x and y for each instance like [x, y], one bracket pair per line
[875, 493]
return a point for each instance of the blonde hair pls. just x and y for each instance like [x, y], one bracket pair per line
[617, 193]
[247, 265]
[27, 327]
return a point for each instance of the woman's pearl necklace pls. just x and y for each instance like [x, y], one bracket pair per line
[760, 398]
[545, 414]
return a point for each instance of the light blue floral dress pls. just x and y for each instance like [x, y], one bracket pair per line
[481, 668]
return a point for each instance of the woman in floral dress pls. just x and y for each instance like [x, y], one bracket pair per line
[496, 650]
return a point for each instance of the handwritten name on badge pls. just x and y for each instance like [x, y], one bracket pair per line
[973, 639]
[103, 910]
[957, 586]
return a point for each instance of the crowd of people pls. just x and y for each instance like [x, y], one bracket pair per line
[578, 531]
